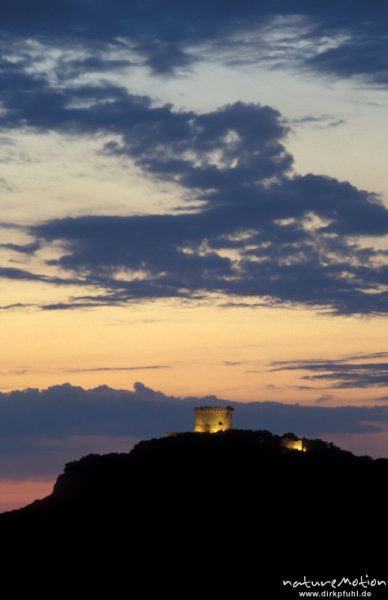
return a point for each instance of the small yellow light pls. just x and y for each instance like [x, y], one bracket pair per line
[294, 445]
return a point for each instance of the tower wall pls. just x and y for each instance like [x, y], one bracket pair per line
[209, 419]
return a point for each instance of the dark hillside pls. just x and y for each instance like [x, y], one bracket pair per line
[236, 498]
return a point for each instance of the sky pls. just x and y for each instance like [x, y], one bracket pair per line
[194, 208]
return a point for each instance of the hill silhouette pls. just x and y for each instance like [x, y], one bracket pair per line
[235, 500]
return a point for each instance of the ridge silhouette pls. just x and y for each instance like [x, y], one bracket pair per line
[236, 498]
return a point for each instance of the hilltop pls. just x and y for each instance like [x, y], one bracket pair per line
[235, 493]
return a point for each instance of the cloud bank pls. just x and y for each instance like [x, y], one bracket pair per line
[40, 430]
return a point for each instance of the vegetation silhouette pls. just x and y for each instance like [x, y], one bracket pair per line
[236, 498]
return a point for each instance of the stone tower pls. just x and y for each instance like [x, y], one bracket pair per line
[210, 419]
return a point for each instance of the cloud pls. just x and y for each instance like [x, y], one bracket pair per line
[24, 275]
[69, 68]
[172, 256]
[109, 369]
[260, 230]
[324, 398]
[22, 248]
[16, 306]
[20, 274]
[234, 363]
[319, 122]
[326, 38]
[5, 186]
[40, 430]
[363, 56]
[366, 355]
[348, 372]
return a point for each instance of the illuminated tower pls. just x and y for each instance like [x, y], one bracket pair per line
[210, 419]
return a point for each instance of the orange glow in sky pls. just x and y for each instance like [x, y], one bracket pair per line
[17, 493]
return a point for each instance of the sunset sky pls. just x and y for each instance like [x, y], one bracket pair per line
[193, 196]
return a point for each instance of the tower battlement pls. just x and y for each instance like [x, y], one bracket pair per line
[210, 419]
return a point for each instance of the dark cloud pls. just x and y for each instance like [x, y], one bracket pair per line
[109, 369]
[319, 122]
[363, 56]
[324, 398]
[16, 306]
[22, 248]
[5, 186]
[346, 39]
[260, 231]
[68, 69]
[20, 274]
[24, 275]
[175, 258]
[40, 430]
[199, 151]
[221, 150]
[234, 363]
[349, 372]
[366, 356]
[74, 304]
[294, 238]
